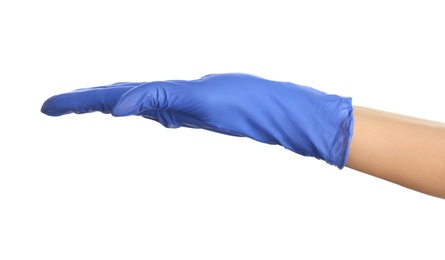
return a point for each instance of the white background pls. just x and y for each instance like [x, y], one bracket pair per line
[98, 187]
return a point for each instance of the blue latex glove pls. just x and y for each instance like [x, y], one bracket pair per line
[299, 118]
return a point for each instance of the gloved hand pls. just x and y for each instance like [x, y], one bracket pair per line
[299, 118]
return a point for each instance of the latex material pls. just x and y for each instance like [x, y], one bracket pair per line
[299, 118]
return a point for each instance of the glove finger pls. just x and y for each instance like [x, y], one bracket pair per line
[86, 100]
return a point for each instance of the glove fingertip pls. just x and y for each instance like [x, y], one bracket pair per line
[45, 109]
[51, 107]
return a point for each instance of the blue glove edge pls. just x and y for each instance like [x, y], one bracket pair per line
[348, 131]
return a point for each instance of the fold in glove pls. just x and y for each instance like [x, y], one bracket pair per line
[302, 119]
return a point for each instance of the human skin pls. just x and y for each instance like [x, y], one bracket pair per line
[404, 150]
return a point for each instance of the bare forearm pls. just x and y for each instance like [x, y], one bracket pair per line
[403, 150]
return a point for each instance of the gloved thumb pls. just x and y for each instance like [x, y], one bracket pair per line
[159, 100]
